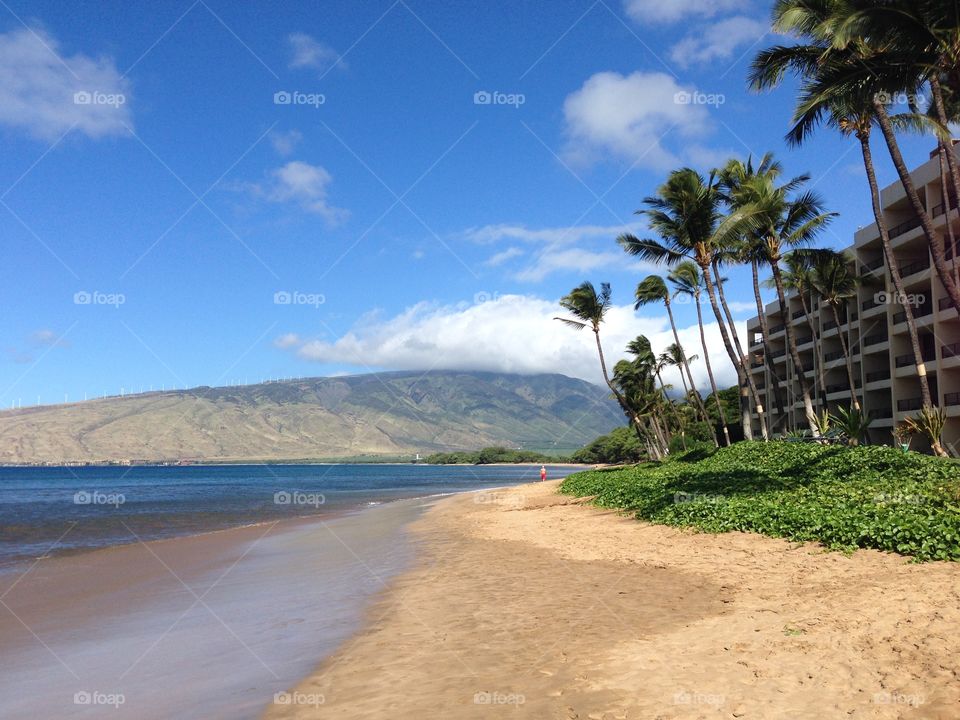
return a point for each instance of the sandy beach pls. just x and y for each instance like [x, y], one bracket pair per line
[528, 604]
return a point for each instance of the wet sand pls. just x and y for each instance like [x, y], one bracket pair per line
[527, 604]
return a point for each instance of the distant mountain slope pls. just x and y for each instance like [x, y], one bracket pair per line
[377, 414]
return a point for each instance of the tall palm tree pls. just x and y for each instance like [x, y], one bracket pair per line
[780, 223]
[653, 289]
[674, 355]
[649, 363]
[687, 213]
[909, 43]
[687, 279]
[851, 111]
[797, 277]
[837, 285]
[729, 255]
[589, 308]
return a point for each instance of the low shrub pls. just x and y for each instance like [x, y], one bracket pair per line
[844, 497]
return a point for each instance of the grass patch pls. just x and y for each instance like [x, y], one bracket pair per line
[846, 498]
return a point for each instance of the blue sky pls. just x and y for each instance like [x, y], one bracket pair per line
[243, 191]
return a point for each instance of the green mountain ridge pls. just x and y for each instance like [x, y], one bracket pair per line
[380, 414]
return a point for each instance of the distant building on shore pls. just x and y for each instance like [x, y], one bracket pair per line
[874, 327]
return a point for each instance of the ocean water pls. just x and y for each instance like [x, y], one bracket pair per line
[209, 626]
[56, 510]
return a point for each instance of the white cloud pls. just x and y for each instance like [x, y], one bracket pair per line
[46, 93]
[558, 249]
[285, 142]
[630, 116]
[671, 11]
[287, 341]
[501, 257]
[304, 184]
[718, 41]
[513, 333]
[307, 52]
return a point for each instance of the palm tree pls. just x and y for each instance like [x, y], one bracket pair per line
[687, 279]
[648, 362]
[909, 43]
[589, 308]
[687, 214]
[726, 256]
[837, 285]
[850, 111]
[653, 289]
[797, 278]
[675, 356]
[779, 224]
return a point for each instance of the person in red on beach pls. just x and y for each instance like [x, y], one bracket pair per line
[543, 473]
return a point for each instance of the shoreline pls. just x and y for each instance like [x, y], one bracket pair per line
[556, 609]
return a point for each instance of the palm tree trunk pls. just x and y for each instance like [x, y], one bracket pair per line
[794, 353]
[686, 365]
[894, 269]
[767, 356]
[847, 359]
[822, 395]
[673, 410]
[706, 360]
[737, 361]
[945, 195]
[624, 405]
[751, 386]
[936, 248]
[951, 158]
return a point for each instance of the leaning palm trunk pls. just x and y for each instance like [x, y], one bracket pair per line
[737, 362]
[794, 353]
[945, 196]
[673, 410]
[686, 366]
[822, 395]
[767, 356]
[936, 248]
[847, 359]
[621, 400]
[939, 256]
[751, 386]
[894, 269]
[713, 383]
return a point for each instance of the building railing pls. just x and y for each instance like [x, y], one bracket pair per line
[949, 351]
[777, 328]
[951, 398]
[909, 359]
[831, 356]
[798, 314]
[938, 209]
[841, 387]
[875, 338]
[909, 404]
[880, 413]
[877, 375]
[904, 227]
[914, 267]
[778, 353]
[869, 304]
[804, 341]
[918, 312]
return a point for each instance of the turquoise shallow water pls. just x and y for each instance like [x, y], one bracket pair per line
[62, 509]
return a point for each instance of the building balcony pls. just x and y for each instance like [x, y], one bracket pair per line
[875, 339]
[904, 227]
[909, 404]
[880, 413]
[877, 376]
[912, 268]
[951, 399]
[923, 311]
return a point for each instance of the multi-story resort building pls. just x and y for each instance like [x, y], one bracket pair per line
[874, 327]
